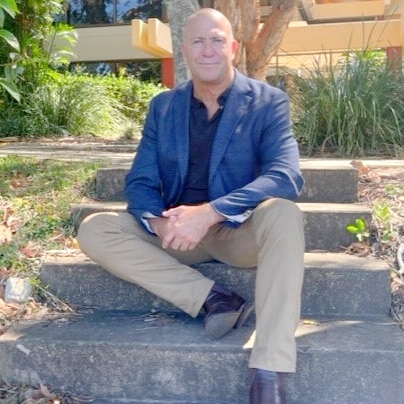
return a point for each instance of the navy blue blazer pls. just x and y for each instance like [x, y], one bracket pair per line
[254, 154]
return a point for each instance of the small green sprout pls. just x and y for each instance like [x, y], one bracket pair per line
[359, 229]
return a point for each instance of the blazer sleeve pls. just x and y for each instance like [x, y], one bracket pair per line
[143, 183]
[278, 160]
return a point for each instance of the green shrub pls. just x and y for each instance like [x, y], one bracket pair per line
[134, 94]
[355, 108]
[78, 104]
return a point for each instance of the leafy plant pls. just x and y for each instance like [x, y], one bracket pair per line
[382, 215]
[43, 44]
[53, 101]
[354, 108]
[133, 93]
[11, 69]
[78, 104]
[359, 229]
[34, 208]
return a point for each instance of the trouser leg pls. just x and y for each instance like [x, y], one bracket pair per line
[121, 246]
[273, 240]
[280, 237]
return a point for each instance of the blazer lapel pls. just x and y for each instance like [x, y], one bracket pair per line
[234, 111]
[181, 112]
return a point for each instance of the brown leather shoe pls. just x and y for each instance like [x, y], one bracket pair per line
[224, 310]
[266, 387]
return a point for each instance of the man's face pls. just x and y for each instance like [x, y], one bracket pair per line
[209, 49]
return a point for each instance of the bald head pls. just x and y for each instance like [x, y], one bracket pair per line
[208, 14]
[208, 48]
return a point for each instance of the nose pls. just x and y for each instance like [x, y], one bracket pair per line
[208, 48]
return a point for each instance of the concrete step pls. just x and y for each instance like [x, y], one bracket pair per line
[115, 357]
[325, 223]
[333, 181]
[334, 285]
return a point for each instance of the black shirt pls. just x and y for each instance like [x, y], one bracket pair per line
[201, 136]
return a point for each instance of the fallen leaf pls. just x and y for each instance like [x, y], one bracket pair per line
[46, 393]
[5, 234]
[12, 223]
[28, 252]
[74, 243]
[362, 169]
[15, 183]
[2, 303]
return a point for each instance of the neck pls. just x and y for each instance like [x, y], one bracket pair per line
[209, 96]
[208, 93]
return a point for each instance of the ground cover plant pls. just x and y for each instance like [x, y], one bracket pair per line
[35, 196]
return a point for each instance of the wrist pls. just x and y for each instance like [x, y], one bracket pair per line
[216, 217]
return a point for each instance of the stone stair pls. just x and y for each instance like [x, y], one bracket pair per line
[127, 346]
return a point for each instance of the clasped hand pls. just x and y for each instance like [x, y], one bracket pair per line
[183, 227]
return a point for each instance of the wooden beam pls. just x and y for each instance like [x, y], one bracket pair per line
[139, 35]
[340, 10]
[106, 44]
[342, 36]
[152, 37]
[160, 37]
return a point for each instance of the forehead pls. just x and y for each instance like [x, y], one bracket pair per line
[203, 26]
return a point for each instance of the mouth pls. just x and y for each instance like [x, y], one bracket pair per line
[208, 64]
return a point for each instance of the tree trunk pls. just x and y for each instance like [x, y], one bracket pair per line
[178, 11]
[257, 45]
[244, 17]
[269, 37]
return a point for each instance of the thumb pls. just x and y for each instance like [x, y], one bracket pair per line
[171, 212]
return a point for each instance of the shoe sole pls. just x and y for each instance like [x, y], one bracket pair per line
[220, 324]
[246, 310]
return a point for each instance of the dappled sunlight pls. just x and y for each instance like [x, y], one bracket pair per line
[307, 327]
[250, 341]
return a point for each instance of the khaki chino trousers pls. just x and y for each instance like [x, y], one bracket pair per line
[272, 240]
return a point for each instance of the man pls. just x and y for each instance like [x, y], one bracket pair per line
[213, 178]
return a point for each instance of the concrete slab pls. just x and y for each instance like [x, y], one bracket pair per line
[118, 356]
[334, 285]
[325, 223]
[325, 181]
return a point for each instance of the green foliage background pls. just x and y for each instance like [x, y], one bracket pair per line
[53, 101]
[79, 104]
[353, 109]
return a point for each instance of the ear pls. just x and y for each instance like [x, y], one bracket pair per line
[234, 47]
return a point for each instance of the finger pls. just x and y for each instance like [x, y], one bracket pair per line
[170, 212]
[176, 244]
[167, 240]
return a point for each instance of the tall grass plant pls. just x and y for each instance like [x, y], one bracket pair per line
[355, 108]
[78, 104]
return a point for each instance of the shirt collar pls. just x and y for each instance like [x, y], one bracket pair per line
[196, 103]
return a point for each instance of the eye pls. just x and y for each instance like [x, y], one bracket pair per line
[197, 43]
[218, 42]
